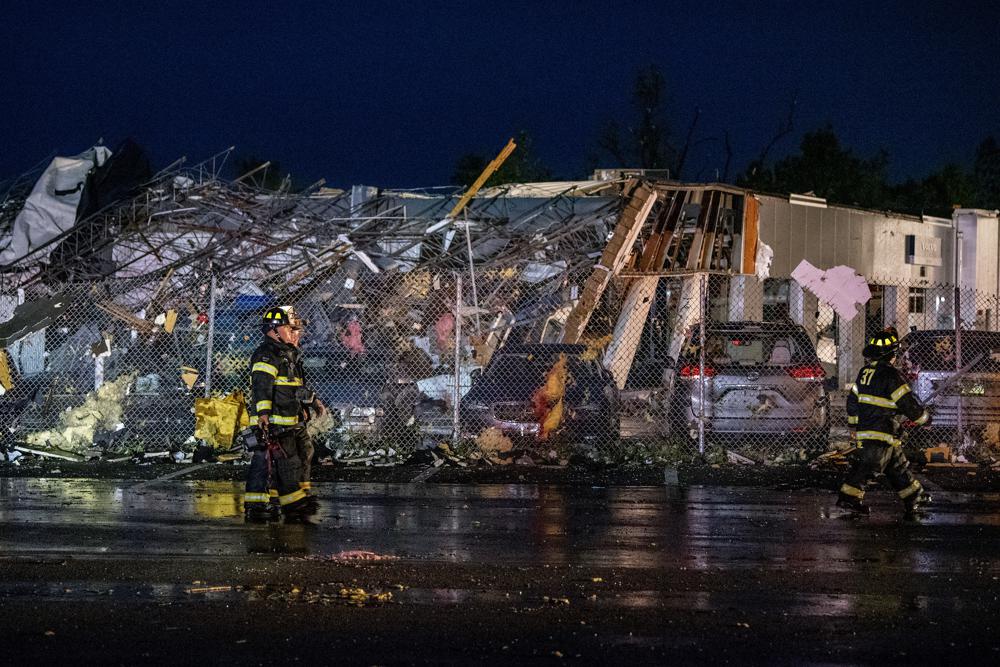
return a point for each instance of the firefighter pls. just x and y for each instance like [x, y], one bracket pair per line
[879, 395]
[275, 378]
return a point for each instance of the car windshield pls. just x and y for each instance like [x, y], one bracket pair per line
[326, 365]
[938, 352]
[752, 348]
[531, 368]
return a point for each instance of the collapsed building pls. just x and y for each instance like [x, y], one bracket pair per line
[155, 281]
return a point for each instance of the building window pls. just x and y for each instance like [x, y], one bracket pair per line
[917, 300]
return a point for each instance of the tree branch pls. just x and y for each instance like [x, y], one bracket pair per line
[784, 129]
[682, 157]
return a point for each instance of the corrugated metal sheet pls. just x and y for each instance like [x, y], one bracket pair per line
[872, 243]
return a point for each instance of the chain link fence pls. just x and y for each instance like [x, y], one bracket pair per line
[479, 366]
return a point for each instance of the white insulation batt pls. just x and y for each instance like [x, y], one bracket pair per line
[50, 209]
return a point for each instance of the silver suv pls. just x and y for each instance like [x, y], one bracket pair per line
[929, 361]
[762, 380]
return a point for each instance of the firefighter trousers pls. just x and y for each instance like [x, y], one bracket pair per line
[873, 458]
[304, 447]
[285, 474]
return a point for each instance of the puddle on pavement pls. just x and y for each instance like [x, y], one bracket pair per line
[702, 529]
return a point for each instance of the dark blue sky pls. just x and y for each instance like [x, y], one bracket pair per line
[392, 93]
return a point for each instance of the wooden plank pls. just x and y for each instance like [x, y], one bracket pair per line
[711, 227]
[655, 238]
[673, 252]
[718, 248]
[483, 177]
[727, 238]
[616, 253]
[697, 242]
[751, 227]
[670, 229]
[111, 308]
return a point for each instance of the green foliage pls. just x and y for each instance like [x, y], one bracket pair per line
[986, 175]
[522, 166]
[935, 194]
[826, 169]
[645, 141]
[641, 453]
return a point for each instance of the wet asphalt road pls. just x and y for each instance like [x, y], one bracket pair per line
[128, 572]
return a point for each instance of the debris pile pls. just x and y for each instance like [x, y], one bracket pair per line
[144, 296]
[162, 284]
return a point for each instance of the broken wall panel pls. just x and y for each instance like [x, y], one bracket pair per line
[615, 254]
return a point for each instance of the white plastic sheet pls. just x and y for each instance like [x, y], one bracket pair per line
[840, 287]
[50, 209]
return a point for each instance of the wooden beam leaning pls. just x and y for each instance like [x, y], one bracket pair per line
[751, 231]
[483, 177]
[120, 312]
[641, 198]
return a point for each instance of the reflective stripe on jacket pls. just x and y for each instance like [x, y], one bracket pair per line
[276, 373]
[876, 397]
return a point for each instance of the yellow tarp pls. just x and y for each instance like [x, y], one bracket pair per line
[218, 420]
[5, 380]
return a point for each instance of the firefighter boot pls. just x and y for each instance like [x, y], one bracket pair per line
[256, 513]
[915, 503]
[297, 512]
[310, 505]
[852, 504]
[273, 506]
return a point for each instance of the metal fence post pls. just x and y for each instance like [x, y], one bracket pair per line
[957, 311]
[957, 306]
[472, 276]
[457, 395]
[211, 338]
[701, 363]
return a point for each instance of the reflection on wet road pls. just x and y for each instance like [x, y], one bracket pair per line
[703, 528]
[629, 573]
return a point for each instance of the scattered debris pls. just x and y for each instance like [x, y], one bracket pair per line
[208, 589]
[391, 333]
[30, 317]
[218, 420]
[47, 454]
[13, 456]
[189, 376]
[939, 454]
[350, 338]
[734, 457]
[494, 444]
[359, 597]
[555, 601]
[356, 555]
